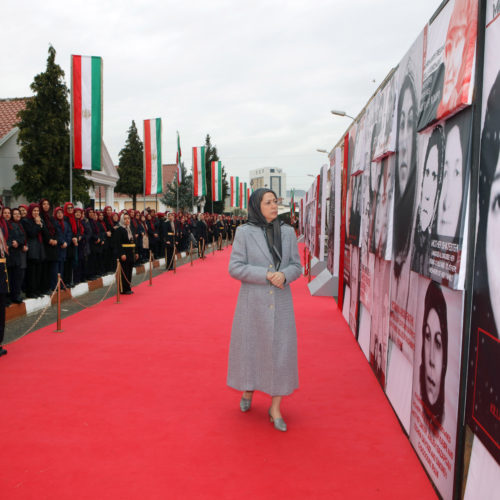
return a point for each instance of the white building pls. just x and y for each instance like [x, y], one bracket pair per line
[269, 177]
[104, 181]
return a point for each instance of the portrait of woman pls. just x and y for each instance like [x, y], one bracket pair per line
[487, 266]
[451, 202]
[404, 188]
[429, 195]
[434, 356]
[263, 348]
[382, 210]
[459, 52]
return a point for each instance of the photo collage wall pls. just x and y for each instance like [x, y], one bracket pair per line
[407, 166]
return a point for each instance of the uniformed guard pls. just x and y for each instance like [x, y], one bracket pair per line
[125, 251]
[170, 238]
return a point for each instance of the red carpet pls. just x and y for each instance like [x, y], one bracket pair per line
[130, 402]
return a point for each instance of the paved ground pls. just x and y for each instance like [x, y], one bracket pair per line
[19, 327]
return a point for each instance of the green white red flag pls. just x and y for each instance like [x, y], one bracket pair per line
[199, 172]
[152, 156]
[240, 195]
[86, 111]
[217, 181]
[179, 160]
[245, 195]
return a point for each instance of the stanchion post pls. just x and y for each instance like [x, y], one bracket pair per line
[118, 280]
[175, 259]
[59, 328]
[213, 245]
[309, 269]
[150, 269]
[191, 252]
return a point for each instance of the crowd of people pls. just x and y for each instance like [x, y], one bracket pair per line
[83, 244]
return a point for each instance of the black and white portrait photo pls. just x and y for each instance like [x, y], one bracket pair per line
[430, 188]
[436, 376]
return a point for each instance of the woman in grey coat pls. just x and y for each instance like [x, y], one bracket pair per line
[263, 350]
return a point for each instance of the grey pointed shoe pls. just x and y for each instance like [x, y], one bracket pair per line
[279, 423]
[245, 404]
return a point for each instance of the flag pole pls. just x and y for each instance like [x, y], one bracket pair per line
[71, 137]
[144, 175]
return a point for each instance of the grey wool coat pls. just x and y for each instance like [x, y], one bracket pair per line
[263, 350]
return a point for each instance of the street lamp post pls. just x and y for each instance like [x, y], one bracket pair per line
[341, 113]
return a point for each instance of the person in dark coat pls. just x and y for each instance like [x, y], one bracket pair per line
[109, 261]
[201, 236]
[169, 235]
[16, 260]
[4, 287]
[137, 231]
[183, 234]
[125, 250]
[97, 233]
[33, 226]
[219, 231]
[153, 235]
[49, 274]
[63, 236]
[82, 249]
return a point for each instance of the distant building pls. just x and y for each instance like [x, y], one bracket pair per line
[121, 201]
[269, 177]
[9, 150]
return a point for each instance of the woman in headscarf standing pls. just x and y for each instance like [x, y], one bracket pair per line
[124, 248]
[263, 350]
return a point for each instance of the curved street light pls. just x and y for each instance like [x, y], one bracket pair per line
[341, 113]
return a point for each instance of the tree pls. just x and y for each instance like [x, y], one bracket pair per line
[185, 193]
[130, 166]
[210, 156]
[44, 142]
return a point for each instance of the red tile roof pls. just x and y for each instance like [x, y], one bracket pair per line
[168, 172]
[9, 108]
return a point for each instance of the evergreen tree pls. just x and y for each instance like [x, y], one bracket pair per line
[44, 142]
[130, 166]
[210, 156]
[185, 193]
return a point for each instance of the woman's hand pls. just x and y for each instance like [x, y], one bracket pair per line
[277, 279]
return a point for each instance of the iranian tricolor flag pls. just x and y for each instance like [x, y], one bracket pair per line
[152, 156]
[232, 191]
[86, 111]
[199, 172]
[237, 191]
[240, 193]
[245, 196]
[217, 181]
[248, 196]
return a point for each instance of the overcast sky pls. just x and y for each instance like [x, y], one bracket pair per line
[260, 77]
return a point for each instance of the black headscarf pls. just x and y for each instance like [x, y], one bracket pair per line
[272, 230]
